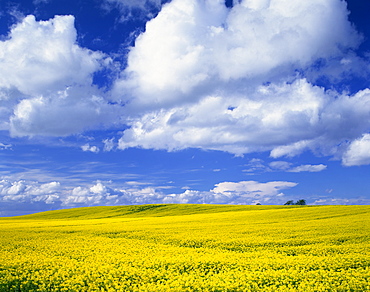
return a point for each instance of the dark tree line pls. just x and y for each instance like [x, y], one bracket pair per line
[299, 202]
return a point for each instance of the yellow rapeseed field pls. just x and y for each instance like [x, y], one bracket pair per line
[188, 248]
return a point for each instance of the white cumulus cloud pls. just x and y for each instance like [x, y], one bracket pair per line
[202, 75]
[103, 193]
[46, 82]
[40, 57]
[33, 196]
[63, 113]
[240, 191]
[243, 192]
[23, 191]
[286, 119]
[89, 148]
[193, 45]
[358, 152]
[209, 77]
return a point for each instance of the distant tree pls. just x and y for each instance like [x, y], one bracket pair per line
[301, 202]
[258, 204]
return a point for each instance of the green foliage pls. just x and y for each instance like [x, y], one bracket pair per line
[299, 202]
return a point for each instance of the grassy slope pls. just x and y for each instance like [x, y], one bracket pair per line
[154, 210]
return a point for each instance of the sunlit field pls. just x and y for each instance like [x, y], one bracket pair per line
[188, 248]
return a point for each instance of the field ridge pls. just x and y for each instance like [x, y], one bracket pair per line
[147, 210]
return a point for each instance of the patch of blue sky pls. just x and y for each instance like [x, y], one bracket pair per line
[204, 129]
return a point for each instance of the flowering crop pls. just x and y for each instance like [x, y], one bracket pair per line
[214, 248]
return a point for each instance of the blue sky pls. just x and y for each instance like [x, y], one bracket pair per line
[116, 102]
